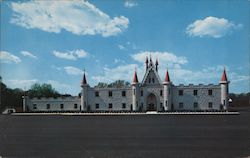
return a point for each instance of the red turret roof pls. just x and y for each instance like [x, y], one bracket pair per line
[135, 80]
[224, 76]
[167, 78]
[84, 81]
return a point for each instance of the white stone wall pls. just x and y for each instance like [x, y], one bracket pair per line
[55, 104]
[202, 97]
[104, 100]
[117, 99]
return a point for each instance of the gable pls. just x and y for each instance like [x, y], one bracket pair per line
[151, 77]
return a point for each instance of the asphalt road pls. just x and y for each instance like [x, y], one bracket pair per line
[139, 136]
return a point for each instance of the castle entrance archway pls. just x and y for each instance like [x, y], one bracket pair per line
[151, 102]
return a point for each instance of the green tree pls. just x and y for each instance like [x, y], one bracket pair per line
[119, 84]
[10, 97]
[43, 90]
[101, 85]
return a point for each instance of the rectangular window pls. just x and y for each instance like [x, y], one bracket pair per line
[141, 92]
[153, 80]
[180, 105]
[210, 105]
[210, 92]
[34, 106]
[123, 105]
[110, 93]
[180, 92]
[97, 94]
[195, 105]
[61, 106]
[48, 106]
[134, 91]
[75, 106]
[110, 105]
[161, 92]
[195, 92]
[149, 80]
[96, 106]
[124, 93]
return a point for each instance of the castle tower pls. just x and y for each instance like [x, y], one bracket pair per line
[167, 93]
[224, 90]
[135, 89]
[84, 95]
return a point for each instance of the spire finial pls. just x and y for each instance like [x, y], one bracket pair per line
[150, 60]
[84, 80]
[156, 64]
[146, 62]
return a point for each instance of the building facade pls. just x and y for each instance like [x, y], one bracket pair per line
[151, 94]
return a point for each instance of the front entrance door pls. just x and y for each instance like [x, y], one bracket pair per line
[151, 102]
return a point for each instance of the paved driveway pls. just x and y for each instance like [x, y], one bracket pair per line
[125, 136]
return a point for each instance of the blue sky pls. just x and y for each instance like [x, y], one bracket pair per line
[53, 41]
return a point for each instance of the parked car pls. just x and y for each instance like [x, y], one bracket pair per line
[8, 111]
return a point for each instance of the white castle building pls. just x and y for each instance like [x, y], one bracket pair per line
[151, 94]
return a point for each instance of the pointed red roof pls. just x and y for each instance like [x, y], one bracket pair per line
[84, 81]
[167, 78]
[224, 76]
[135, 80]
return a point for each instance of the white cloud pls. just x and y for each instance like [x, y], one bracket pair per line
[71, 55]
[211, 27]
[60, 87]
[163, 57]
[73, 70]
[24, 84]
[7, 57]
[236, 78]
[122, 72]
[28, 54]
[77, 17]
[121, 47]
[130, 3]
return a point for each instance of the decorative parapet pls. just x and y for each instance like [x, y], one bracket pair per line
[198, 86]
[54, 98]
